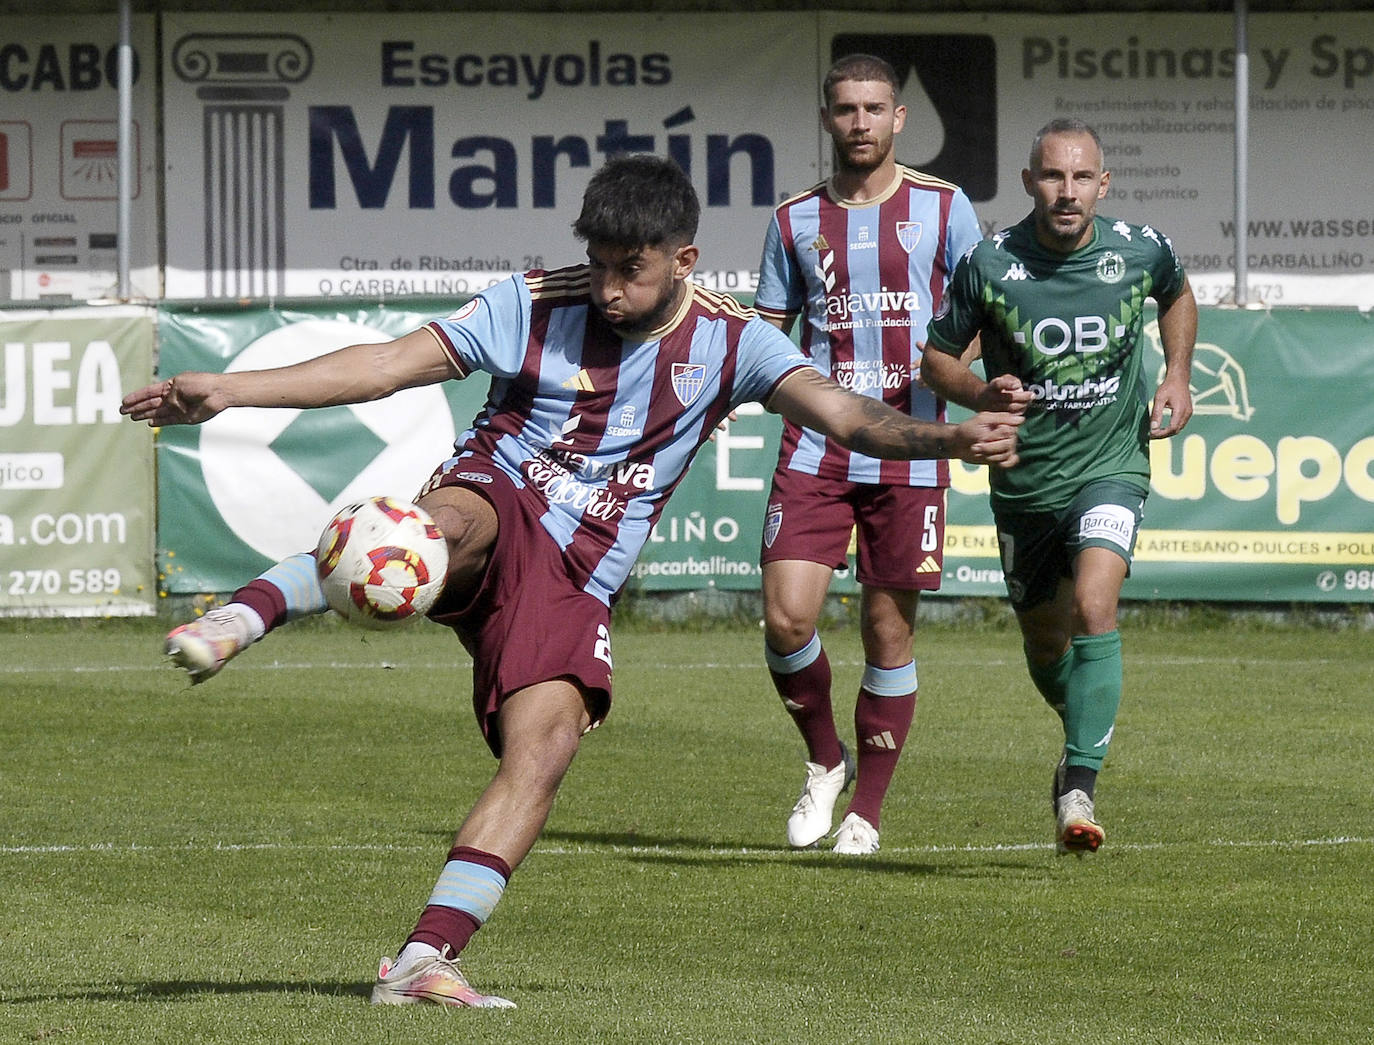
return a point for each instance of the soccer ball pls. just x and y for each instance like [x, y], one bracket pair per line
[381, 562]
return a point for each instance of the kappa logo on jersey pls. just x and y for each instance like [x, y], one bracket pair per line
[908, 235]
[688, 381]
[1122, 229]
[1017, 271]
[772, 524]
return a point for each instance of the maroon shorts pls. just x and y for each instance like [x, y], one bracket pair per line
[526, 622]
[901, 529]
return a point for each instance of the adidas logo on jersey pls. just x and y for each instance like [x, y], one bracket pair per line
[929, 565]
[1017, 271]
[883, 741]
[580, 382]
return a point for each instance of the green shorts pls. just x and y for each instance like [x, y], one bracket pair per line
[1038, 548]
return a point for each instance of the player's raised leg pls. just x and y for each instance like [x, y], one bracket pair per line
[286, 591]
[290, 590]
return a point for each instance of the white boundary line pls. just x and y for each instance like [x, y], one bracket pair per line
[664, 850]
[461, 660]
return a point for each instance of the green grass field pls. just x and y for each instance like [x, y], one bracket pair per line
[227, 864]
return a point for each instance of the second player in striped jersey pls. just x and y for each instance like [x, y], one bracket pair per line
[863, 258]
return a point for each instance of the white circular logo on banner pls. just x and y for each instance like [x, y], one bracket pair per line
[265, 501]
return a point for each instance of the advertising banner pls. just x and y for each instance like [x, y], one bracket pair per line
[58, 160]
[76, 478]
[253, 486]
[1268, 495]
[363, 157]
[1159, 87]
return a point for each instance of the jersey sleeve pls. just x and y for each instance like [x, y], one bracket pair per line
[766, 355]
[964, 232]
[959, 315]
[1166, 272]
[489, 332]
[781, 292]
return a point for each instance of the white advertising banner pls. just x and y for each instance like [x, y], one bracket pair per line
[58, 167]
[1160, 90]
[365, 156]
[370, 156]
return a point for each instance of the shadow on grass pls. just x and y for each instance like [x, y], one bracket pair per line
[680, 851]
[185, 990]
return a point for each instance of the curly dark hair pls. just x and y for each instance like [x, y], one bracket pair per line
[639, 201]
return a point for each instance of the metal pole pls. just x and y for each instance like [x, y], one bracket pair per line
[1242, 172]
[125, 150]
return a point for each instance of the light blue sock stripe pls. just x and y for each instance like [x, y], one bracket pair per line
[793, 662]
[299, 584]
[890, 682]
[468, 887]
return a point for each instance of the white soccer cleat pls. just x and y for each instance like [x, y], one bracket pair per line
[205, 645]
[811, 816]
[431, 979]
[856, 837]
[1077, 830]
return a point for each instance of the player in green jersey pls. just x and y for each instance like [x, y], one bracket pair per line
[1059, 300]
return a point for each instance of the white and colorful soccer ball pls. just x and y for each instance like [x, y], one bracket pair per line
[381, 562]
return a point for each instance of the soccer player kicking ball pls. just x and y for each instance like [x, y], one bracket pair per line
[548, 498]
[1058, 301]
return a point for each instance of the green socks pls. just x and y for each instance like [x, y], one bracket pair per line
[1092, 697]
[1084, 689]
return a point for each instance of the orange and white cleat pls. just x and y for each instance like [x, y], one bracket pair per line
[437, 980]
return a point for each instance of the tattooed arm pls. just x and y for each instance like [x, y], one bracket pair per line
[870, 427]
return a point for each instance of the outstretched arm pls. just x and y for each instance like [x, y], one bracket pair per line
[1178, 332]
[356, 374]
[950, 378]
[873, 428]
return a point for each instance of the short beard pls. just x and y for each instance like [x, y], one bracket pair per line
[1068, 239]
[845, 163]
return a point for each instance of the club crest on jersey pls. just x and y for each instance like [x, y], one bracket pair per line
[908, 234]
[688, 381]
[1111, 267]
[772, 523]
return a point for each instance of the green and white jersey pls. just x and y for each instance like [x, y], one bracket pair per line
[1069, 326]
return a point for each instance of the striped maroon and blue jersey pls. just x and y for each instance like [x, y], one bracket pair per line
[866, 278]
[601, 429]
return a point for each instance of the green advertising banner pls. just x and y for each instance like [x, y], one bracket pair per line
[76, 478]
[252, 486]
[1268, 495]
